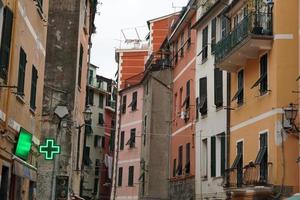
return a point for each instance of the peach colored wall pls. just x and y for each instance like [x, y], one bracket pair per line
[282, 75]
[187, 135]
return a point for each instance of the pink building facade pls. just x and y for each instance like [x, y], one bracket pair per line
[128, 143]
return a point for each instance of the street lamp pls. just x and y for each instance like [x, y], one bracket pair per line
[87, 114]
[290, 114]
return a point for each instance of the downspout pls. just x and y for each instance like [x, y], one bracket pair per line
[228, 129]
[117, 150]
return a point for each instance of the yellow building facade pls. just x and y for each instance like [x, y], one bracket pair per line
[23, 29]
[260, 50]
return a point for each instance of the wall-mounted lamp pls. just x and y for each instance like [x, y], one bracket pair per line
[290, 114]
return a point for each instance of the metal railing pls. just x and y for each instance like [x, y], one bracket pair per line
[158, 60]
[257, 23]
[251, 175]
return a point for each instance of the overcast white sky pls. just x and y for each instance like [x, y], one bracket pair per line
[116, 15]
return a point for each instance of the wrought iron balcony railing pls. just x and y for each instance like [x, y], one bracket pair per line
[158, 60]
[254, 24]
[251, 175]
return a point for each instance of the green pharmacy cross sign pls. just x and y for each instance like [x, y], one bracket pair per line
[49, 149]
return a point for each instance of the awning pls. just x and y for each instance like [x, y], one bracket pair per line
[23, 169]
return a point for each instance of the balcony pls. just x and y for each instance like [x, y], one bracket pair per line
[252, 35]
[111, 105]
[251, 175]
[158, 61]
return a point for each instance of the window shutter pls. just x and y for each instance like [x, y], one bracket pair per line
[223, 154]
[179, 169]
[80, 65]
[240, 97]
[130, 175]
[203, 95]
[213, 34]
[124, 104]
[204, 42]
[213, 156]
[21, 75]
[103, 142]
[264, 73]
[122, 140]
[174, 167]
[33, 88]
[218, 75]
[120, 176]
[5, 42]
[187, 157]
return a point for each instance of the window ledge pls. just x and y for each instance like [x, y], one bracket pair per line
[219, 108]
[32, 111]
[267, 93]
[217, 177]
[20, 99]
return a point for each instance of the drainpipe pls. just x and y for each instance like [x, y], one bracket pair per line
[228, 127]
[117, 151]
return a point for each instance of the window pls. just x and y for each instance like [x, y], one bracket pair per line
[238, 163]
[180, 97]
[203, 95]
[204, 43]
[189, 35]
[130, 176]
[262, 158]
[213, 156]
[96, 181]
[86, 156]
[218, 75]
[88, 127]
[133, 103]
[131, 141]
[186, 101]
[21, 75]
[101, 101]
[90, 96]
[213, 34]
[91, 75]
[5, 42]
[147, 87]
[124, 102]
[204, 158]
[145, 129]
[263, 79]
[176, 52]
[223, 153]
[174, 167]
[4, 182]
[175, 105]
[122, 140]
[187, 157]
[239, 95]
[182, 45]
[179, 167]
[100, 119]
[224, 26]
[120, 176]
[34, 77]
[197, 107]
[99, 141]
[80, 65]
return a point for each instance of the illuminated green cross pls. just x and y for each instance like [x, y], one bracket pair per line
[49, 149]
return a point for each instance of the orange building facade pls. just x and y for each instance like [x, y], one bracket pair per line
[262, 57]
[182, 152]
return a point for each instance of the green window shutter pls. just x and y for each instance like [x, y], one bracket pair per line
[213, 34]
[223, 154]
[122, 140]
[240, 98]
[6, 42]
[120, 174]
[34, 77]
[130, 175]
[174, 167]
[218, 87]
[21, 73]
[213, 156]
[264, 74]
